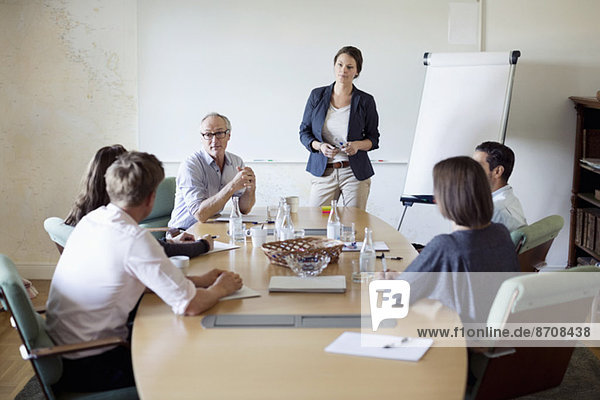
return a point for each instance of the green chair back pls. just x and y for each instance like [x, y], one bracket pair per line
[539, 232]
[32, 329]
[546, 297]
[534, 291]
[533, 242]
[163, 206]
[58, 231]
[29, 323]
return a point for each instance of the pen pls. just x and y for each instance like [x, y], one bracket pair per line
[396, 344]
[389, 258]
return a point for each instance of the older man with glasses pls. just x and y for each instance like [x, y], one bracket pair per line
[211, 176]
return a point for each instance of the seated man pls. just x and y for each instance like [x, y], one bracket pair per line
[497, 161]
[105, 267]
[211, 176]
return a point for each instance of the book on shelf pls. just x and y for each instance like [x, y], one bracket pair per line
[590, 230]
[587, 261]
[591, 162]
[587, 228]
[579, 226]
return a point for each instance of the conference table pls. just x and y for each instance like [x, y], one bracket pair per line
[175, 357]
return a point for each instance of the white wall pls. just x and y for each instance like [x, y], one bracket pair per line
[257, 64]
[561, 58]
[68, 85]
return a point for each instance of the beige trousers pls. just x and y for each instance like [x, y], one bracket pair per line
[339, 184]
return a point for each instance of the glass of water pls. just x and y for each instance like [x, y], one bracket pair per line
[348, 234]
[272, 213]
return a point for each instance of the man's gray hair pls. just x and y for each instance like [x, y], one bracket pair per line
[214, 114]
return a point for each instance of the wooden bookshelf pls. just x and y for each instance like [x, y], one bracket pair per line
[586, 180]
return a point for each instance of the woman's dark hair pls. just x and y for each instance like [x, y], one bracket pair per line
[93, 186]
[462, 192]
[354, 53]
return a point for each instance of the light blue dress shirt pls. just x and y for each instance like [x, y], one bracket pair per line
[199, 178]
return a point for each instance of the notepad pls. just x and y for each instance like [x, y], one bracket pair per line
[317, 284]
[379, 246]
[372, 345]
[243, 293]
[221, 246]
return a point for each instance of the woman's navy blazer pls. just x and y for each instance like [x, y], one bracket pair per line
[362, 125]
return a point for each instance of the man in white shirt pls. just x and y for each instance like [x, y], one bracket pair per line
[106, 265]
[498, 161]
[211, 176]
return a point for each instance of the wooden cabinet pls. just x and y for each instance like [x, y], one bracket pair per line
[584, 235]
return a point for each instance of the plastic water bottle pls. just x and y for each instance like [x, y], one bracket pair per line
[286, 230]
[236, 228]
[280, 215]
[334, 226]
[367, 254]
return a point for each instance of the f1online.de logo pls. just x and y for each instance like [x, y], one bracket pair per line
[388, 299]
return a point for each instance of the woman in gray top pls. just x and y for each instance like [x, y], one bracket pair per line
[456, 268]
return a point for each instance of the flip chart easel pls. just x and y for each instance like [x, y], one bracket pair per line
[466, 101]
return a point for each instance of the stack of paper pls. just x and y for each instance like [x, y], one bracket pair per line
[244, 293]
[221, 246]
[380, 346]
[252, 218]
[317, 284]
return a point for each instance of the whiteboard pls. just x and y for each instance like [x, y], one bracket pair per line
[256, 61]
[466, 99]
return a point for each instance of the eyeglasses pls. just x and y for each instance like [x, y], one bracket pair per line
[218, 135]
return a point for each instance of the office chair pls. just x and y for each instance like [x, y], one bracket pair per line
[58, 231]
[551, 297]
[37, 346]
[532, 242]
[163, 206]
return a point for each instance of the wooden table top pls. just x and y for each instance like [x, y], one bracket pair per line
[175, 357]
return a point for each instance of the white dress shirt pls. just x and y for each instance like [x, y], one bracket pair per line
[105, 267]
[507, 209]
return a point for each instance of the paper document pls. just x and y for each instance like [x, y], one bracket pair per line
[307, 232]
[380, 346]
[317, 284]
[221, 246]
[252, 218]
[379, 246]
[243, 293]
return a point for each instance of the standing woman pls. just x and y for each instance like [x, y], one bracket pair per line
[339, 126]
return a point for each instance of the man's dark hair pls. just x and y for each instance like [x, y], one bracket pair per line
[498, 154]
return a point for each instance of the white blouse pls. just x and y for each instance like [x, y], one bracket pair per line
[335, 129]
